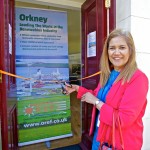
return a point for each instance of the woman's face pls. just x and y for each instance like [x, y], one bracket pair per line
[118, 52]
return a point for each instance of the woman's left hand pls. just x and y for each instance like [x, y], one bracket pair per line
[89, 98]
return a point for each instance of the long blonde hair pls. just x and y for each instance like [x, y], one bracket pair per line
[105, 64]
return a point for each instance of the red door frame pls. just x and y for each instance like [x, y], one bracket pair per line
[8, 106]
[3, 104]
[91, 65]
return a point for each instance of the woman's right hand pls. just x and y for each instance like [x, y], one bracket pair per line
[70, 88]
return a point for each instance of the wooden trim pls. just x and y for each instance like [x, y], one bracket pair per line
[8, 108]
[3, 48]
[112, 15]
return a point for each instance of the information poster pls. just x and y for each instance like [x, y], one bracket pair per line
[10, 39]
[42, 56]
[91, 44]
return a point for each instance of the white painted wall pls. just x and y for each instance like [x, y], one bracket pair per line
[134, 15]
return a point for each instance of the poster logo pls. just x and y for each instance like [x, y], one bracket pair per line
[29, 110]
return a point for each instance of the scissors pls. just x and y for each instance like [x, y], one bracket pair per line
[63, 86]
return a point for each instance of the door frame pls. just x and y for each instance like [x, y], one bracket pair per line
[101, 34]
[8, 103]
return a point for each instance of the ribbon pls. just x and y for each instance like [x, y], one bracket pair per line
[13, 75]
[16, 76]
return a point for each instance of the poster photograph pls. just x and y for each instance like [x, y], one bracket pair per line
[42, 56]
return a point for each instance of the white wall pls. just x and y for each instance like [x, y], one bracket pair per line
[134, 15]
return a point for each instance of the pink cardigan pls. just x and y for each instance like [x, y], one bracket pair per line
[132, 98]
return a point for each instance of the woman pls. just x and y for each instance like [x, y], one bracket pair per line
[122, 87]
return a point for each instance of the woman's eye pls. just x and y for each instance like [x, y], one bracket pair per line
[122, 48]
[111, 48]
